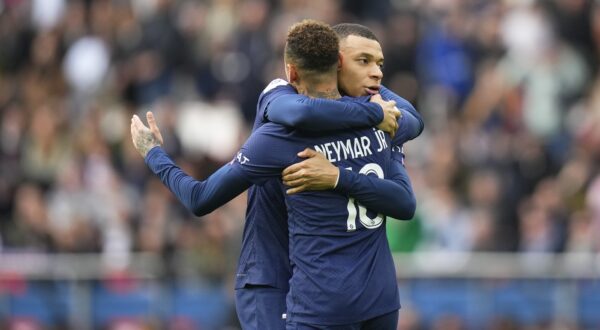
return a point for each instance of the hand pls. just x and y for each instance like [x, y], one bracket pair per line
[314, 173]
[389, 124]
[145, 138]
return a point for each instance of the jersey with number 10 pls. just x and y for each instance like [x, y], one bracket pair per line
[342, 268]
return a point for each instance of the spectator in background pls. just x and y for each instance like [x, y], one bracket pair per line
[29, 228]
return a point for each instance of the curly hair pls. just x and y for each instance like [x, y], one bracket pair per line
[313, 46]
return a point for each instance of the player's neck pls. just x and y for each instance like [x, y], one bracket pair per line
[324, 90]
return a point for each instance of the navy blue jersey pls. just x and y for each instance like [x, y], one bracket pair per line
[264, 254]
[342, 268]
[410, 125]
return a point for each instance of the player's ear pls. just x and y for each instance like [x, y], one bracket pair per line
[292, 73]
[287, 72]
[340, 61]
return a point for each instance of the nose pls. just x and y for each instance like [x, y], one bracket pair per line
[375, 72]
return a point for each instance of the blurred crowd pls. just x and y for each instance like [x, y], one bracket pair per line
[509, 91]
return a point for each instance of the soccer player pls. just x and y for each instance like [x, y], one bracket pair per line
[360, 74]
[280, 103]
[263, 267]
[244, 171]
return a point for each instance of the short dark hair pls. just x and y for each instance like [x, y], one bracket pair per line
[313, 46]
[344, 30]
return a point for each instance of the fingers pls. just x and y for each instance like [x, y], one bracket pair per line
[135, 121]
[294, 183]
[153, 126]
[151, 121]
[307, 153]
[291, 169]
[295, 190]
[136, 127]
[395, 113]
[292, 176]
[376, 98]
[132, 129]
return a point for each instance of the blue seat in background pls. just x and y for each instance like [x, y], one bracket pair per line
[62, 301]
[34, 302]
[203, 307]
[139, 302]
[529, 302]
[589, 303]
[437, 298]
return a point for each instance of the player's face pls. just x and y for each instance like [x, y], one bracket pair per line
[360, 72]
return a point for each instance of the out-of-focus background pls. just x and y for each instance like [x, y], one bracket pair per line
[507, 231]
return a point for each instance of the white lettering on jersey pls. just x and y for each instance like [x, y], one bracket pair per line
[363, 217]
[381, 139]
[400, 150]
[275, 83]
[347, 149]
[240, 158]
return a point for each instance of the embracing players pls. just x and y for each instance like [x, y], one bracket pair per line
[325, 254]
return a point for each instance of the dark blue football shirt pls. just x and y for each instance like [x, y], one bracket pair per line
[264, 254]
[342, 267]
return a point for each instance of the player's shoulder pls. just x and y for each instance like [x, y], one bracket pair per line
[274, 84]
[273, 134]
[275, 88]
[278, 87]
[270, 142]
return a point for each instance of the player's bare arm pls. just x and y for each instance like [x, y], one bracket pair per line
[145, 138]
[314, 173]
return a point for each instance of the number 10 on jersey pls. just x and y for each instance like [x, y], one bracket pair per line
[353, 205]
